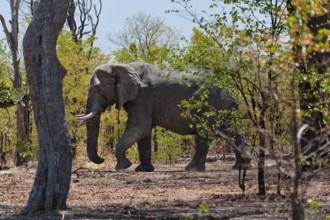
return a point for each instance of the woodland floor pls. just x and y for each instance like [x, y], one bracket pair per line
[98, 192]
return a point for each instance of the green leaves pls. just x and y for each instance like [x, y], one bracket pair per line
[9, 95]
[79, 59]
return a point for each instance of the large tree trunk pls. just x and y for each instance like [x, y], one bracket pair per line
[45, 75]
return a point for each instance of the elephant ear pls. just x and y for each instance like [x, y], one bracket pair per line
[128, 83]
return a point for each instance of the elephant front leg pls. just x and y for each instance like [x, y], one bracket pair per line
[125, 142]
[144, 147]
[122, 162]
[138, 126]
[199, 159]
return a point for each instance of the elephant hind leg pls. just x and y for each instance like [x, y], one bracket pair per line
[144, 147]
[241, 162]
[240, 147]
[198, 161]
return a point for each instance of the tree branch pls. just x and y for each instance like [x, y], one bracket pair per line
[9, 37]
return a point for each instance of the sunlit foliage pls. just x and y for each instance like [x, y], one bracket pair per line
[79, 59]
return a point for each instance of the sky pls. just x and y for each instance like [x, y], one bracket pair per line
[114, 13]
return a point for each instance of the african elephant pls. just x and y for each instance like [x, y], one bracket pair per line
[151, 96]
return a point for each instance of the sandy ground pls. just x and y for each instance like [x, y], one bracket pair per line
[168, 193]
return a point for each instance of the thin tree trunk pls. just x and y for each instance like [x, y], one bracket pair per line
[23, 132]
[22, 112]
[262, 146]
[261, 158]
[296, 202]
[45, 75]
[71, 21]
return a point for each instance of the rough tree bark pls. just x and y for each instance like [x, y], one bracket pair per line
[45, 75]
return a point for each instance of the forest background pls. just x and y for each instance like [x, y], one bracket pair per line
[272, 55]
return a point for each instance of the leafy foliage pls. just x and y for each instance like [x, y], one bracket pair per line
[7, 93]
[8, 97]
[4, 59]
[79, 59]
[171, 146]
[266, 51]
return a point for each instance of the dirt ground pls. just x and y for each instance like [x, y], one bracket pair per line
[99, 192]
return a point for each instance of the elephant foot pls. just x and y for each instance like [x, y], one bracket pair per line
[123, 164]
[195, 167]
[145, 168]
[244, 164]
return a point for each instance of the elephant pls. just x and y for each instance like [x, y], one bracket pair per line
[151, 96]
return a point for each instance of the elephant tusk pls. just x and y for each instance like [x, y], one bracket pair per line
[85, 117]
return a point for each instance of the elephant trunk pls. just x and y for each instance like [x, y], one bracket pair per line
[93, 128]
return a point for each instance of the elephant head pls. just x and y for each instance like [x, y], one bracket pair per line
[110, 84]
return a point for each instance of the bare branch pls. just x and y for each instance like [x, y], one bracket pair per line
[71, 20]
[7, 104]
[7, 33]
[97, 15]
[82, 15]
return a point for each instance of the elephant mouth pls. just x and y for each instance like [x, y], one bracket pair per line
[97, 108]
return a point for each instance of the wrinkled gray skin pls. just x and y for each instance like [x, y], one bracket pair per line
[150, 96]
